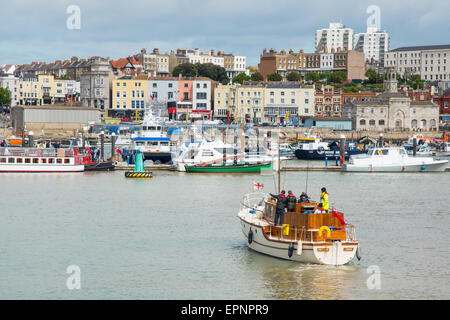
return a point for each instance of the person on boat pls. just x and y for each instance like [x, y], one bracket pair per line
[291, 201]
[280, 207]
[303, 198]
[324, 199]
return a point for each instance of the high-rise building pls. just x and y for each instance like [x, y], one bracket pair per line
[374, 43]
[336, 36]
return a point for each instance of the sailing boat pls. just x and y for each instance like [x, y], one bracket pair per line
[306, 236]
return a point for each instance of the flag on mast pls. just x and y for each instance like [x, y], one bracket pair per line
[257, 186]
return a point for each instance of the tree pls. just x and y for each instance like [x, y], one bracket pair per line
[240, 78]
[185, 69]
[337, 77]
[313, 77]
[372, 76]
[293, 76]
[274, 77]
[415, 81]
[256, 76]
[5, 97]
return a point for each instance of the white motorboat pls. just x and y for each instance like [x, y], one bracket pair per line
[392, 159]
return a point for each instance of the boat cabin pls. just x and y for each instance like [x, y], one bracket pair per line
[303, 224]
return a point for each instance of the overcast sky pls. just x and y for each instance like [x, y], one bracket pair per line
[35, 30]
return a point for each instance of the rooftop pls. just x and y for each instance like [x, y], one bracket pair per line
[417, 48]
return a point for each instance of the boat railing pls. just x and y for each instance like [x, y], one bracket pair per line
[37, 152]
[253, 200]
[301, 232]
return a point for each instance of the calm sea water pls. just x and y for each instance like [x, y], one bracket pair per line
[177, 236]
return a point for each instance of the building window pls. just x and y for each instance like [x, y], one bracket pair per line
[362, 122]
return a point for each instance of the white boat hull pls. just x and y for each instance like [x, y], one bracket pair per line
[41, 168]
[328, 253]
[436, 166]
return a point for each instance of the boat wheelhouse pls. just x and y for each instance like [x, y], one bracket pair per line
[305, 236]
[156, 149]
[40, 160]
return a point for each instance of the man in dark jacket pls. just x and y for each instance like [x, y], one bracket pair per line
[291, 201]
[303, 198]
[280, 207]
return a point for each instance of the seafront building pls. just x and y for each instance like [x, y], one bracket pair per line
[335, 37]
[95, 85]
[374, 43]
[282, 62]
[432, 63]
[392, 110]
[10, 82]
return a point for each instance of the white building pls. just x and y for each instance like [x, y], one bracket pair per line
[283, 100]
[432, 63]
[374, 43]
[326, 61]
[195, 56]
[334, 37]
[201, 95]
[11, 83]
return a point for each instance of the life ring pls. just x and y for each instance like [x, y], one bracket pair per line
[290, 249]
[324, 228]
[380, 152]
[320, 150]
[250, 236]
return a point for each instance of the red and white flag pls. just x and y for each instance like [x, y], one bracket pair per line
[257, 186]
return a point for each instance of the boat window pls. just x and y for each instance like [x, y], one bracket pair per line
[2, 160]
[51, 160]
[270, 211]
[139, 144]
[153, 143]
[381, 152]
[35, 160]
[19, 160]
[59, 161]
[66, 160]
[27, 160]
[44, 160]
[11, 160]
[163, 143]
[207, 153]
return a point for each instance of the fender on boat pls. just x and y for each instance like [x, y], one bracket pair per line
[358, 253]
[299, 247]
[250, 236]
[290, 249]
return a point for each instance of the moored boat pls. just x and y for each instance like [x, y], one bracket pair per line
[393, 159]
[232, 168]
[15, 159]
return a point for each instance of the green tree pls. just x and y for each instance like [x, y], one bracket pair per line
[337, 77]
[212, 71]
[274, 77]
[372, 76]
[185, 69]
[240, 78]
[5, 97]
[293, 76]
[415, 81]
[313, 77]
[256, 76]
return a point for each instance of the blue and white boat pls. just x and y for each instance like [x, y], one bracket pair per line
[156, 149]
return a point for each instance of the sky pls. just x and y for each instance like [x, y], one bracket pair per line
[36, 30]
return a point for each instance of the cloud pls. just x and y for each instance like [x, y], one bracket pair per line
[35, 30]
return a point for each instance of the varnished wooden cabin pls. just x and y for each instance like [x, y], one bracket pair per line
[304, 226]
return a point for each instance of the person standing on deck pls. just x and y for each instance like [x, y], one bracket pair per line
[281, 205]
[324, 199]
[291, 201]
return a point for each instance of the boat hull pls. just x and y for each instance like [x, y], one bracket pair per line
[99, 166]
[437, 166]
[40, 168]
[158, 157]
[327, 253]
[320, 155]
[246, 168]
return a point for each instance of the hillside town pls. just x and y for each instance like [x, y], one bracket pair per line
[353, 81]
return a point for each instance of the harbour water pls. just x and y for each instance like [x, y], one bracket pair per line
[177, 236]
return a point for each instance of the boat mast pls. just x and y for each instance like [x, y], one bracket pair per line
[279, 164]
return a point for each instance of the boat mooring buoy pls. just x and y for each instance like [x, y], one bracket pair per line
[138, 175]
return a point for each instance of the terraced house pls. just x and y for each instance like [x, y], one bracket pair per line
[129, 96]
